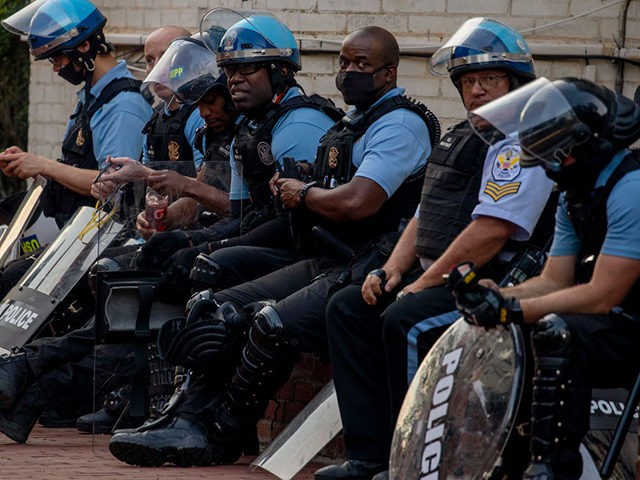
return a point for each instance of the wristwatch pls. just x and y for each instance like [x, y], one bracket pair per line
[303, 192]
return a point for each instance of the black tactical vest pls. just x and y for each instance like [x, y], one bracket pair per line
[588, 214]
[450, 191]
[57, 200]
[166, 141]
[252, 146]
[334, 166]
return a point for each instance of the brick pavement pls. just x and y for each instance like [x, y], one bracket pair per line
[65, 454]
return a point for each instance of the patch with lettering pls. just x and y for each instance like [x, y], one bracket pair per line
[506, 166]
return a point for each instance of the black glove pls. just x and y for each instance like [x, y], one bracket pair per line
[480, 305]
[153, 254]
[174, 282]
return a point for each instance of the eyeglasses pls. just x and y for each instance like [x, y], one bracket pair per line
[243, 69]
[487, 82]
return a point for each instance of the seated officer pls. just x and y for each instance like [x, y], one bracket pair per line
[475, 203]
[366, 180]
[578, 132]
[109, 104]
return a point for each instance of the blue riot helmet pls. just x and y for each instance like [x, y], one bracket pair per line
[483, 43]
[254, 37]
[187, 68]
[59, 27]
[19, 22]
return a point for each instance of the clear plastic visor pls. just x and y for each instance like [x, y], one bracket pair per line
[19, 22]
[440, 59]
[216, 22]
[182, 64]
[538, 115]
[467, 38]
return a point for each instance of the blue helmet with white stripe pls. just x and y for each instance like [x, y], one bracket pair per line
[59, 26]
[480, 44]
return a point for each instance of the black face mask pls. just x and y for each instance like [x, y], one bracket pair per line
[71, 75]
[357, 88]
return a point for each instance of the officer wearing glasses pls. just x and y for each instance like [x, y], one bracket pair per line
[474, 201]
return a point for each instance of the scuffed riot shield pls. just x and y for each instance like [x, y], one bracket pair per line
[29, 305]
[16, 237]
[460, 406]
[460, 409]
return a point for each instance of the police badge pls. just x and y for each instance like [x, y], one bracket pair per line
[80, 140]
[174, 151]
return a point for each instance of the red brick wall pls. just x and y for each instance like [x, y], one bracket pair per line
[307, 379]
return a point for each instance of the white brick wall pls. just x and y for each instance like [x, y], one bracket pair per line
[414, 22]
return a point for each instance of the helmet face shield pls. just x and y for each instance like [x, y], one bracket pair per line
[19, 22]
[248, 37]
[539, 115]
[187, 68]
[482, 43]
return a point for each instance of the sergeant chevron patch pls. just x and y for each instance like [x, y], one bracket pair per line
[496, 192]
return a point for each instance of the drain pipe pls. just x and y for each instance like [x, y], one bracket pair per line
[622, 38]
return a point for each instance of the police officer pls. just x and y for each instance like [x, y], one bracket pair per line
[474, 203]
[278, 120]
[108, 120]
[578, 132]
[366, 179]
[69, 34]
[172, 136]
[198, 85]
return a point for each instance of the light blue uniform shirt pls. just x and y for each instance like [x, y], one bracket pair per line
[510, 192]
[623, 217]
[117, 126]
[393, 147]
[193, 123]
[296, 134]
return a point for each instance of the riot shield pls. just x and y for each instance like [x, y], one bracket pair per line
[460, 406]
[460, 409]
[30, 237]
[29, 305]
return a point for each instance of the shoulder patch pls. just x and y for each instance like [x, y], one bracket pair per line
[506, 165]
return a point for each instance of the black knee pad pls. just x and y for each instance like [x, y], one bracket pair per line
[267, 332]
[551, 337]
[206, 273]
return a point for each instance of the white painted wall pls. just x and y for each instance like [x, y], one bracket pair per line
[416, 23]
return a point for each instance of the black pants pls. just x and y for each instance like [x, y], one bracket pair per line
[604, 354]
[301, 291]
[71, 370]
[375, 351]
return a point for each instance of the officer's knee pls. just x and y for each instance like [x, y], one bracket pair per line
[268, 329]
[206, 273]
[551, 337]
[104, 264]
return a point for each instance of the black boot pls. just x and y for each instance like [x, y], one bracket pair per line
[551, 342]
[265, 364]
[112, 415]
[15, 375]
[18, 421]
[351, 470]
[181, 440]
